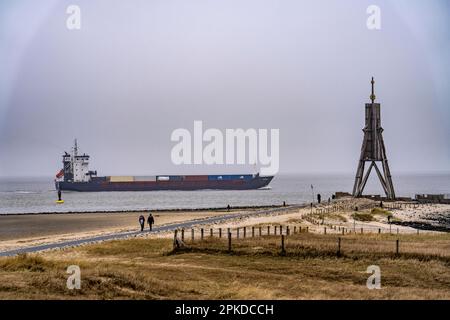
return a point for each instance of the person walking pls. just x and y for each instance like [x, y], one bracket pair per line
[150, 221]
[142, 222]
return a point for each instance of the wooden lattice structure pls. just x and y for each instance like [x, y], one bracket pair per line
[373, 151]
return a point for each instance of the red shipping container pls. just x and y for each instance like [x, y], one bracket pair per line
[196, 178]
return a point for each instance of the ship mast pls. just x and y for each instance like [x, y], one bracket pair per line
[75, 148]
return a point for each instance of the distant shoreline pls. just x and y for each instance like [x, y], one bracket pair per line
[152, 210]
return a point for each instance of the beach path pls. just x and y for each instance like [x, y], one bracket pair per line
[156, 229]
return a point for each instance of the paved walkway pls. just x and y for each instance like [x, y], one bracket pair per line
[123, 235]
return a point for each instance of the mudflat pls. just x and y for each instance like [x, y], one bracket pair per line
[15, 227]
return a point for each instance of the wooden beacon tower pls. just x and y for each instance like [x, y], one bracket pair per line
[373, 150]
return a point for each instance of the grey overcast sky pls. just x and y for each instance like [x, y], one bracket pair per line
[137, 70]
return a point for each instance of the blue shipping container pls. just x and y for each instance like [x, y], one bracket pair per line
[231, 177]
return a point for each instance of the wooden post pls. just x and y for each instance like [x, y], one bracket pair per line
[281, 229]
[343, 230]
[220, 232]
[192, 234]
[324, 230]
[300, 229]
[268, 230]
[283, 251]
[260, 231]
[307, 229]
[175, 238]
[211, 232]
[379, 230]
[229, 241]
[182, 235]
[245, 231]
[253, 232]
[201, 234]
[237, 233]
[276, 230]
[362, 231]
[287, 230]
[397, 246]
[295, 229]
[339, 247]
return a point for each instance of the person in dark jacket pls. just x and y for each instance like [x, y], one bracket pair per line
[142, 222]
[150, 221]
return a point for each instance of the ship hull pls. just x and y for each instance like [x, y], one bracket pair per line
[103, 185]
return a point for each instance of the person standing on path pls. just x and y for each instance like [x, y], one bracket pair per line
[150, 221]
[142, 222]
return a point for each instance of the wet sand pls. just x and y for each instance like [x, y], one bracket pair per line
[40, 227]
[18, 231]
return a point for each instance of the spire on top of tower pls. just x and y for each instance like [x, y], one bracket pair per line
[372, 96]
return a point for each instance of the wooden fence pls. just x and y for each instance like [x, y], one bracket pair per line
[281, 231]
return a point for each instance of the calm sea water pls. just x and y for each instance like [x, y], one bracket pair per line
[35, 195]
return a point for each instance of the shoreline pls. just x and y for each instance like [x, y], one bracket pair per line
[45, 234]
[249, 207]
[25, 230]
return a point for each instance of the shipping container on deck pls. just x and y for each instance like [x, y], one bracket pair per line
[176, 178]
[144, 178]
[121, 179]
[231, 177]
[100, 179]
[215, 177]
[196, 178]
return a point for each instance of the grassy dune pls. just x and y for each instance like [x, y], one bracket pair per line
[255, 269]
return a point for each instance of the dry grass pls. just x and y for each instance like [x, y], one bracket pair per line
[256, 269]
[380, 211]
[363, 216]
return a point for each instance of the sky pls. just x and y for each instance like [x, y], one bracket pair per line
[137, 70]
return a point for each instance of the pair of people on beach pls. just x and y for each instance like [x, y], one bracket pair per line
[150, 221]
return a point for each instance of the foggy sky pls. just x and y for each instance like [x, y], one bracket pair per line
[137, 70]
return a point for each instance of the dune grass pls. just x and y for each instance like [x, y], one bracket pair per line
[363, 216]
[255, 269]
[381, 211]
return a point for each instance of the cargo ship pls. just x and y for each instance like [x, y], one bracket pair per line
[76, 176]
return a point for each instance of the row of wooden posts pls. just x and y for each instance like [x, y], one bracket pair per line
[342, 207]
[360, 230]
[283, 248]
[344, 230]
[229, 234]
[277, 230]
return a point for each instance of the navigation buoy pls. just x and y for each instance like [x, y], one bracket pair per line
[60, 200]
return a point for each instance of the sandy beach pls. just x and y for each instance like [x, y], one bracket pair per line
[19, 231]
[34, 229]
[202, 268]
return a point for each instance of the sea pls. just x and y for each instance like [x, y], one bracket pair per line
[38, 195]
